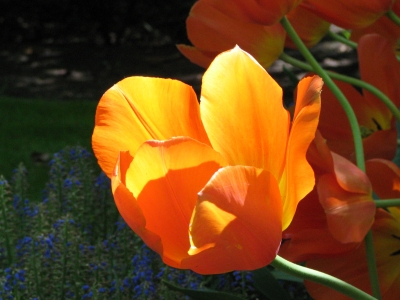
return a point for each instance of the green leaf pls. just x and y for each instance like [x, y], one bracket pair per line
[202, 294]
[267, 284]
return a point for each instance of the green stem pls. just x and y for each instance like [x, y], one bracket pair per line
[321, 278]
[358, 146]
[387, 202]
[351, 80]
[392, 16]
[371, 261]
[342, 39]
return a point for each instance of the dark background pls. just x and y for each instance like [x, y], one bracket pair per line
[76, 49]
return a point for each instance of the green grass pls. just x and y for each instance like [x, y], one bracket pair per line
[45, 126]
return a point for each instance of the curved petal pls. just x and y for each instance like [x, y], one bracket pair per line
[128, 206]
[349, 14]
[381, 144]
[379, 67]
[349, 215]
[164, 178]
[298, 177]
[350, 177]
[385, 178]
[197, 56]
[242, 111]
[217, 26]
[383, 26]
[237, 222]
[310, 28]
[265, 12]
[137, 109]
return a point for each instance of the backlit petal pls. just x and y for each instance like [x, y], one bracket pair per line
[298, 177]
[128, 206]
[137, 109]
[165, 177]
[217, 26]
[242, 111]
[237, 221]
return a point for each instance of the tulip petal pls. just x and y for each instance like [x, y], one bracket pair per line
[349, 215]
[242, 111]
[385, 178]
[137, 109]
[298, 177]
[237, 221]
[127, 204]
[310, 28]
[379, 67]
[217, 26]
[349, 14]
[164, 178]
[352, 267]
[197, 56]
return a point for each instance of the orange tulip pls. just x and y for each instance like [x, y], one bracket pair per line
[342, 192]
[208, 187]
[349, 14]
[312, 242]
[214, 26]
[379, 67]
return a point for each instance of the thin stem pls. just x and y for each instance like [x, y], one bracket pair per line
[392, 16]
[342, 39]
[321, 278]
[358, 146]
[351, 80]
[371, 261]
[387, 202]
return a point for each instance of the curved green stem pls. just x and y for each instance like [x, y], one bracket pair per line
[321, 278]
[358, 146]
[351, 80]
[392, 16]
[371, 261]
[387, 202]
[342, 39]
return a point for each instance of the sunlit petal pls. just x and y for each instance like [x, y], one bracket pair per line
[241, 108]
[237, 221]
[165, 177]
[128, 115]
[298, 177]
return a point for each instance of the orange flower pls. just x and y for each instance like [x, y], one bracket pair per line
[349, 14]
[208, 187]
[379, 67]
[341, 192]
[214, 26]
[311, 242]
